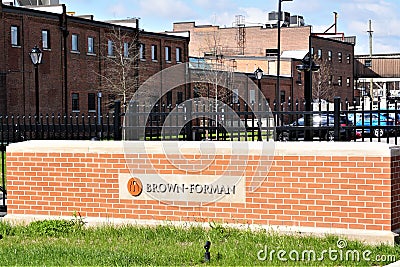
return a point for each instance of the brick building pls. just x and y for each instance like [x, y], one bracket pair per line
[74, 48]
[257, 45]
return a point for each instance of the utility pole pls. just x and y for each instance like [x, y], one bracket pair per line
[371, 81]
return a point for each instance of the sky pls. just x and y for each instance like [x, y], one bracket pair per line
[353, 15]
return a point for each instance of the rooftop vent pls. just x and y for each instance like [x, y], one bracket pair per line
[8, 2]
[38, 2]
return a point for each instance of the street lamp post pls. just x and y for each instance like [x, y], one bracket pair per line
[36, 56]
[308, 66]
[258, 73]
[278, 68]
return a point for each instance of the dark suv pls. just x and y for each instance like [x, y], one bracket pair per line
[323, 129]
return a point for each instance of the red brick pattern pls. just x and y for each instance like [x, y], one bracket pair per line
[395, 192]
[347, 192]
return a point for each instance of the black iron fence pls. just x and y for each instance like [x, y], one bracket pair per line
[364, 120]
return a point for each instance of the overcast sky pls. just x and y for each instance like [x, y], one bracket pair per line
[353, 15]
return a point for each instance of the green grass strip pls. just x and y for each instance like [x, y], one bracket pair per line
[68, 243]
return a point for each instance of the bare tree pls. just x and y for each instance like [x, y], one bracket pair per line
[215, 78]
[322, 83]
[120, 56]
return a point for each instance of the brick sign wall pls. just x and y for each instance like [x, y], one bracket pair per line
[317, 187]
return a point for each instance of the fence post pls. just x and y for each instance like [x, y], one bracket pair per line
[189, 125]
[3, 206]
[336, 125]
[117, 120]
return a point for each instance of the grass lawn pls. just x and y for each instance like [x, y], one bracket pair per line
[68, 243]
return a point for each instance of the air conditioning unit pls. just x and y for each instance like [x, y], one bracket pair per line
[272, 21]
[8, 2]
[296, 21]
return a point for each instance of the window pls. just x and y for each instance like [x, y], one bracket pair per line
[90, 45]
[330, 55]
[319, 56]
[111, 101]
[273, 52]
[46, 39]
[368, 63]
[168, 53]
[312, 52]
[298, 81]
[75, 43]
[179, 98]
[126, 49]
[153, 52]
[348, 81]
[330, 79]
[283, 96]
[339, 55]
[75, 102]
[178, 54]
[339, 81]
[110, 48]
[169, 98]
[142, 51]
[348, 58]
[235, 96]
[252, 96]
[15, 38]
[91, 102]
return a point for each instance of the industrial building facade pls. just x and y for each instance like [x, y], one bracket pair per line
[256, 46]
[71, 76]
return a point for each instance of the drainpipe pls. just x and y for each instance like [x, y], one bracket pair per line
[65, 33]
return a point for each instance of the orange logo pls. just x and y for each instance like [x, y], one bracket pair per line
[135, 186]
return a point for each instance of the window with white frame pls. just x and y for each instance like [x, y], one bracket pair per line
[90, 47]
[153, 52]
[178, 52]
[126, 49]
[319, 55]
[15, 36]
[339, 54]
[75, 42]
[168, 53]
[110, 48]
[339, 81]
[330, 55]
[252, 96]
[348, 81]
[142, 51]
[46, 39]
[235, 96]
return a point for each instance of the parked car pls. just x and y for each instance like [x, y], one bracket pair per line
[323, 129]
[372, 122]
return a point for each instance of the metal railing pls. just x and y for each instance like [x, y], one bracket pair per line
[340, 121]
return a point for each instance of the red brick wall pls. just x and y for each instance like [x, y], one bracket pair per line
[18, 94]
[395, 171]
[357, 191]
